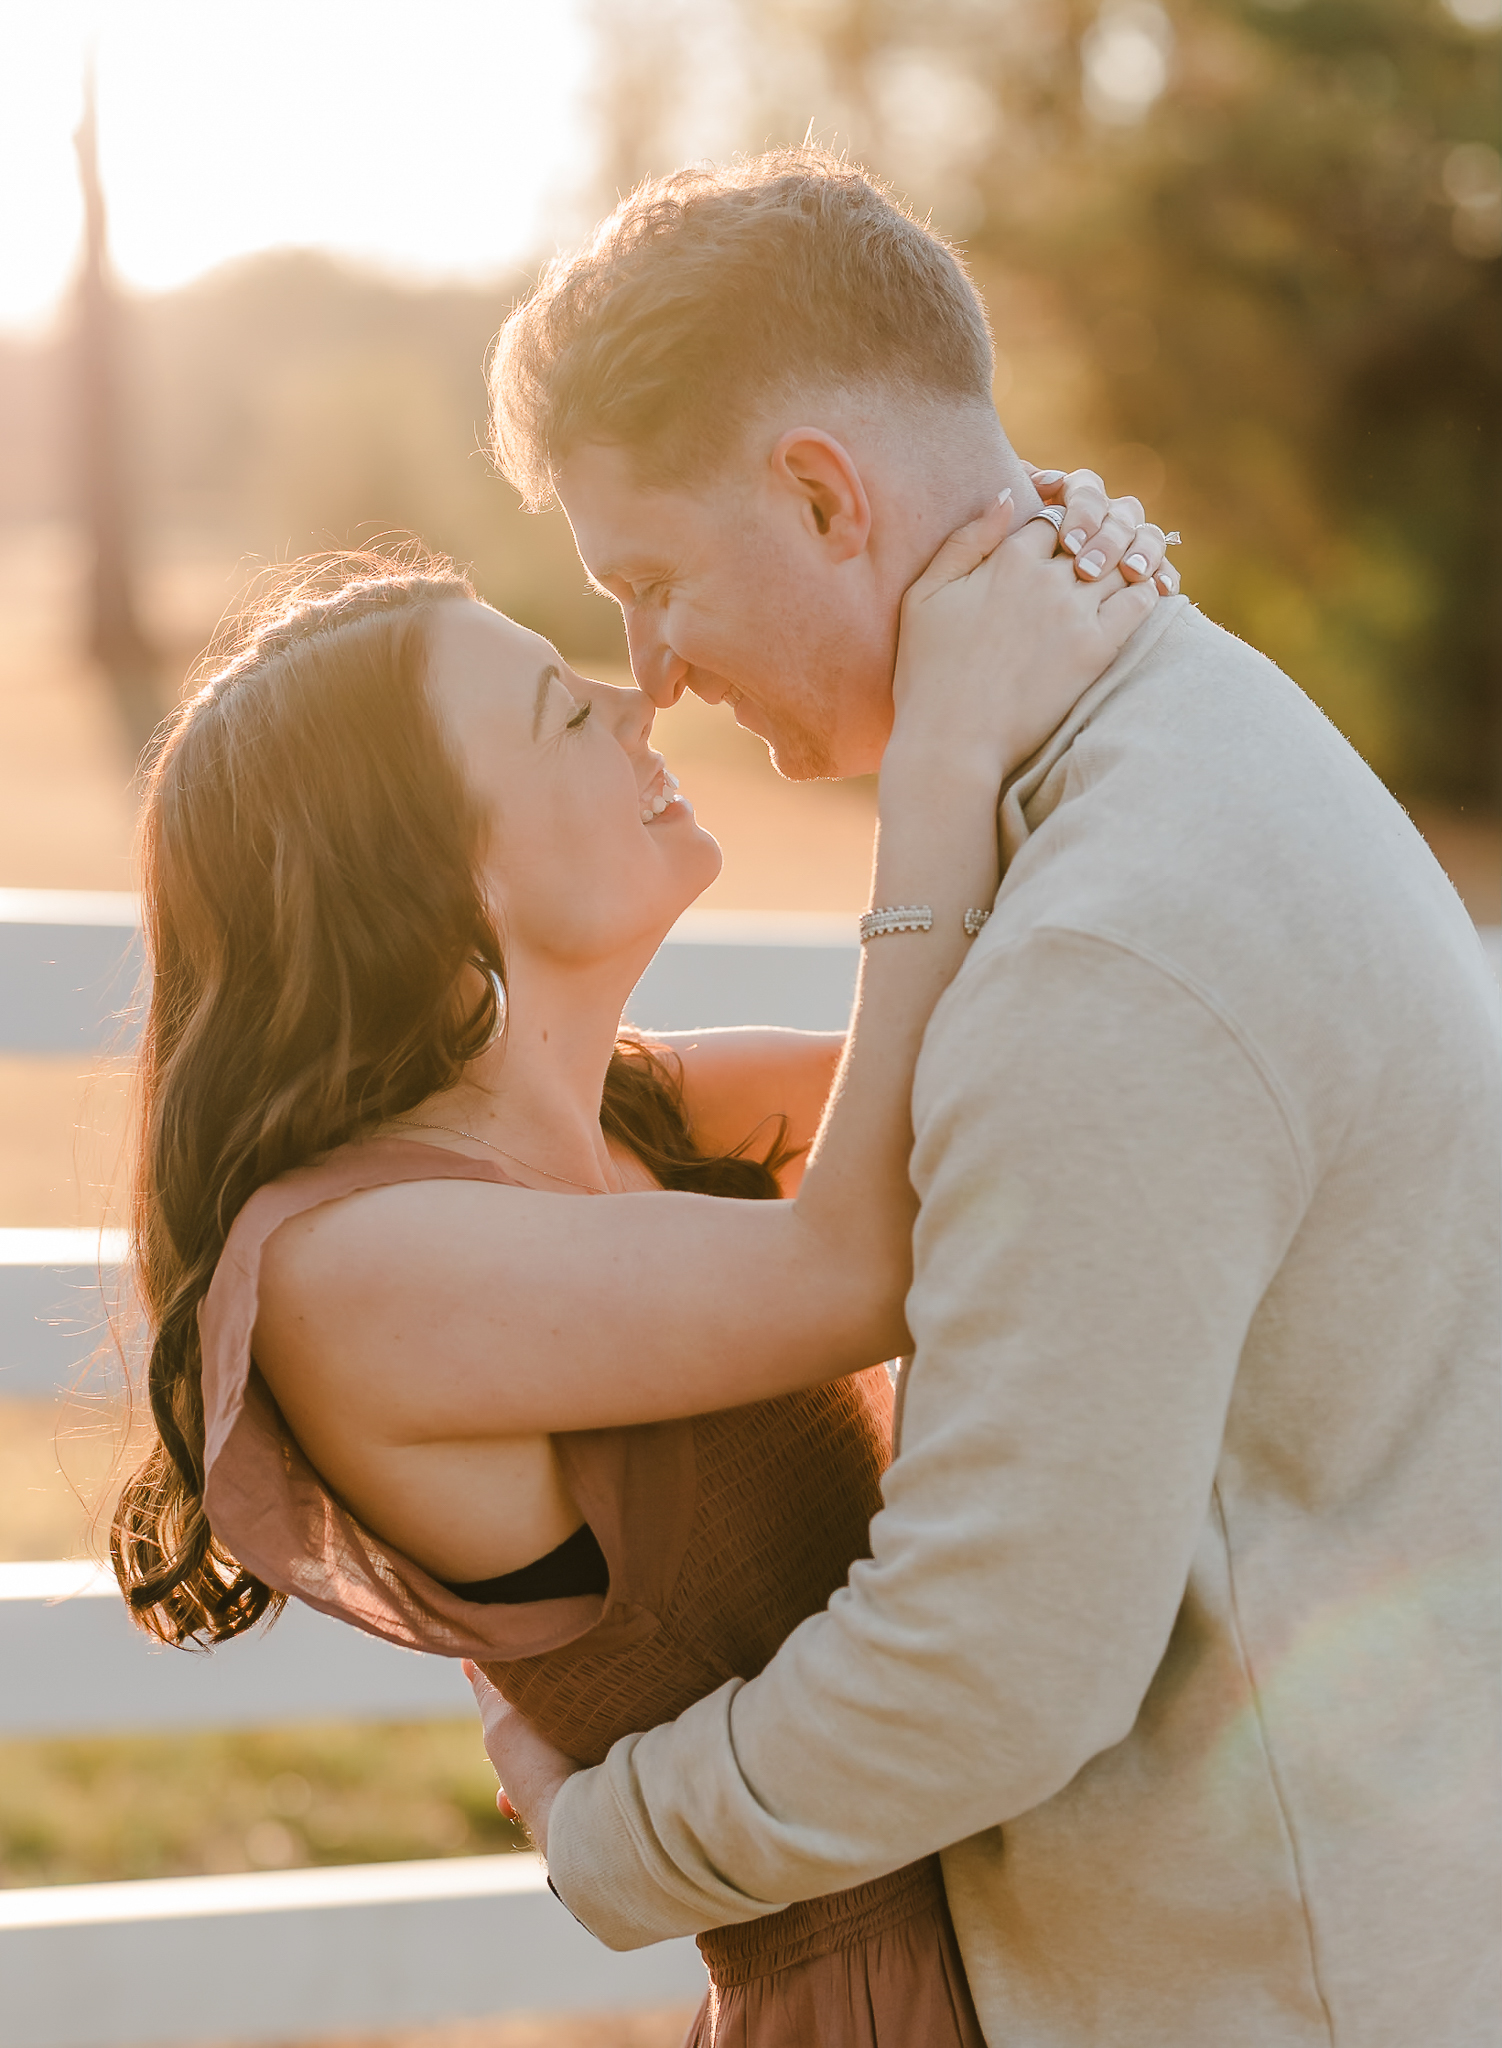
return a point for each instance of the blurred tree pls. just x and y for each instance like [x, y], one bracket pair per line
[1287, 264]
[116, 639]
[1243, 255]
[671, 84]
[289, 403]
[296, 404]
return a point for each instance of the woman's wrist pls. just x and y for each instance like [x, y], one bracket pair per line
[923, 773]
[936, 833]
[919, 753]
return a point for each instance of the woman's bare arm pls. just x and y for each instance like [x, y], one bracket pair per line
[738, 1082]
[452, 1310]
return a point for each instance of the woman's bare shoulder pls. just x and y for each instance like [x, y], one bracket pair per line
[316, 1261]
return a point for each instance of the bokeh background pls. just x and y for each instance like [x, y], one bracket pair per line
[1243, 256]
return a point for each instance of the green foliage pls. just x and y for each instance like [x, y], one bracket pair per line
[1327, 375]
[92, 1811]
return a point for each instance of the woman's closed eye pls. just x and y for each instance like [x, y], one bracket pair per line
[573, 724]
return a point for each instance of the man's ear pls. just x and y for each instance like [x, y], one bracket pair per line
[820, 473]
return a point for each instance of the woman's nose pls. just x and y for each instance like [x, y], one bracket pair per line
[659, 672]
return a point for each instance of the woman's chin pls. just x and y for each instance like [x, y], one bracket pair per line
[713, 858]
[697, 847]
[691, 860]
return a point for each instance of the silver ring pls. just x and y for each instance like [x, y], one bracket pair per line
[1054, 514]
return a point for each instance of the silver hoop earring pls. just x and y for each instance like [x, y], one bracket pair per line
[500, 1007]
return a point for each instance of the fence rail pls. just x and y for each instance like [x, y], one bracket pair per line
[75, 1664]
[71, 961]
[172, 1962]
[58, 1290]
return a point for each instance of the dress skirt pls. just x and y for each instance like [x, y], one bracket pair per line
[874, 1967]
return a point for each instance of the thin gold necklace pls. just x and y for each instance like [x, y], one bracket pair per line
[474, 1138]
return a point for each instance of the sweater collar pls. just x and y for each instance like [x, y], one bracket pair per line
[1014, 824]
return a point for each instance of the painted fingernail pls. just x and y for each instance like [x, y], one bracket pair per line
[1048, 476]
[1091, 564]
[1004, 497]
[1167, 581]
[1075, 541]
[1137, 564]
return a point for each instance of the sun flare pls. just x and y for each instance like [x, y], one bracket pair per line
[436, 142]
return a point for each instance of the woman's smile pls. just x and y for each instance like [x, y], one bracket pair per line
[661, 799]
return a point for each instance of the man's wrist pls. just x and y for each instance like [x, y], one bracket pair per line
[543, 1803]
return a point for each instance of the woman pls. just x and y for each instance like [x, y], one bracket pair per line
[402, 870]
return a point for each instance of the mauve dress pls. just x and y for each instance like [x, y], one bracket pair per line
[721, 1534]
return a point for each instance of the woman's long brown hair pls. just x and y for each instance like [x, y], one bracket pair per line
[311, 900]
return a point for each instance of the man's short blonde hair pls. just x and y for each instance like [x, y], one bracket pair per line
[708, 293]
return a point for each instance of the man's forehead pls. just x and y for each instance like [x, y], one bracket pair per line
[623, 527]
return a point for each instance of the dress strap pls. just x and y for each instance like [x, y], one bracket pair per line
[273, 1512]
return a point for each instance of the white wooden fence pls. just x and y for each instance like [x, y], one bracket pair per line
[281, 1953]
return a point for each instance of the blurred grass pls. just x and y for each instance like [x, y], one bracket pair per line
[93, 1811]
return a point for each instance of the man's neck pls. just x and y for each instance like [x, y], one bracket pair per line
[926, 474]
[953, 466]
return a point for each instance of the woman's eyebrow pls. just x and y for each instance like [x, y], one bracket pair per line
[545, 683]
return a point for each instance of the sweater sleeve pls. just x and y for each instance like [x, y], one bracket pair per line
[1108, 1184]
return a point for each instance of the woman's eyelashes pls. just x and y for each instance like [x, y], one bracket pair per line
[573, 724]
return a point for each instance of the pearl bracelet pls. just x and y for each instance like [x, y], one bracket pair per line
[897, 917]
[911, 917]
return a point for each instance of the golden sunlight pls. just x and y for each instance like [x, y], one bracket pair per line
[443, 141]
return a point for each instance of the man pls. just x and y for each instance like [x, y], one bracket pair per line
[1179, 1634]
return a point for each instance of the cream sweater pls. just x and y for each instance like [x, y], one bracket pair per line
[1182, 1623]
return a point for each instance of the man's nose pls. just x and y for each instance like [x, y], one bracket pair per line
[658, 671]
